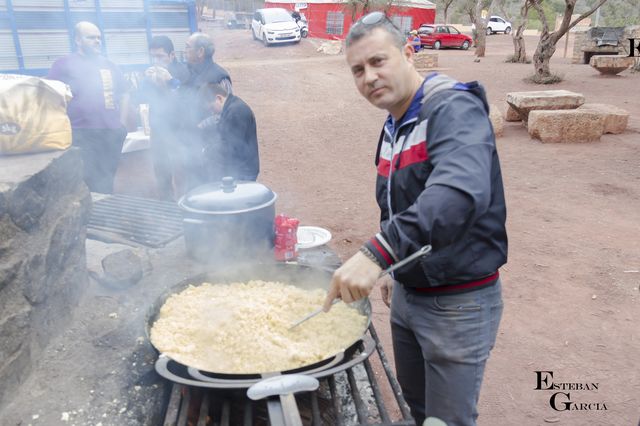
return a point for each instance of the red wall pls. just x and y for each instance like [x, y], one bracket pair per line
[316, 14]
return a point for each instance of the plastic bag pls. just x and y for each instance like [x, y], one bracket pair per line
[33, 114]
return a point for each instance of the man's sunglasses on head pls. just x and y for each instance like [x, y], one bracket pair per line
[373, 18]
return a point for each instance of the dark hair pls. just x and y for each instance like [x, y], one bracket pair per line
[210, 90]
[365, 25]
[161, 42]
[204, 41]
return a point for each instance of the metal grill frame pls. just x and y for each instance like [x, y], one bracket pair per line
[181, 395]
[134, 221]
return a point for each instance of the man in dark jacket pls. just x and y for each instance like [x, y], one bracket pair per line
[235, 152]
[439, 184]
[160, 90]
[196, 131]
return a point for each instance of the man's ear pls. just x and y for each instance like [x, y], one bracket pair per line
[408, 52]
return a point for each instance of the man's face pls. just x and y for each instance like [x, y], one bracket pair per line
[381, 71]
[89, 41]
[191, 52]
[216, 104]
[161, 58]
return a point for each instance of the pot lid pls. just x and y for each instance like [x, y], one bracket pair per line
[227, 196]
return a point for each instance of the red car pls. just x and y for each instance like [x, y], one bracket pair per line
[439, 36]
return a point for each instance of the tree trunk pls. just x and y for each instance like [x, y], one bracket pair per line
[547, 44]
[481, 40]
[446, 7]
[481, 28]
[545, 50]
[519, 51]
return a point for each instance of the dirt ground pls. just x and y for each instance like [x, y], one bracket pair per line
[571, 283]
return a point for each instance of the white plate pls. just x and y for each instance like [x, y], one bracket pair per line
[312, 236]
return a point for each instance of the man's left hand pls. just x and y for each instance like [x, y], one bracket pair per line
[353, 280]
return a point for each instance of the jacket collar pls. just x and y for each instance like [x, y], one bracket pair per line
[391, 125]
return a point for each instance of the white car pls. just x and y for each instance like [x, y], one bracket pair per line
[274, 25]
[498, 25]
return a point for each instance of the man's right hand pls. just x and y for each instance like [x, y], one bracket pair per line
[158, 75]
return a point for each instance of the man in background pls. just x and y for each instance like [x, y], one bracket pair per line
[235, 152]
[159, 89]
[198, 127]
[98, 108]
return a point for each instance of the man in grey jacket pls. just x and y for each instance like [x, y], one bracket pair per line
[439, 183]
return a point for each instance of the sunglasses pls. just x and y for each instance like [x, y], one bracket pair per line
[373, 18]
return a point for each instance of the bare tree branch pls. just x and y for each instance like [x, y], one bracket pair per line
[584, 15]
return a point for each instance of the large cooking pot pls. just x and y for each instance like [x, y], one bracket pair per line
[298, 275]
[228, 220]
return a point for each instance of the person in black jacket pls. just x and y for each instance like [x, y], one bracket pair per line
[439, 184]
[234, 152]
[159, 89]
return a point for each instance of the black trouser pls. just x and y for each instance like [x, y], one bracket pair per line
[100, 150]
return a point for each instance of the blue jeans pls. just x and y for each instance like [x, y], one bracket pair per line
[441, 345]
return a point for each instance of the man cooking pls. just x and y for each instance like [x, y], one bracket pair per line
[439, 183]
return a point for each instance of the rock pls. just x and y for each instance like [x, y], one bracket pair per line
[615, 119]
[497, 121]
[525, 102]
[43, 215]
[512, 115]
[14, 329]
[573, 125]
[9, 268]
[332, 47]
[35, 289]
[122, 269]
[611, 64]
[26, 207]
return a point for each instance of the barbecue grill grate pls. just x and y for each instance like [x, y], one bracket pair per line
[189, 405]
[126, 219]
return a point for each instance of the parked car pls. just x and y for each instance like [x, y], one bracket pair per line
[274, 25]
[496, 24]
[438, 36]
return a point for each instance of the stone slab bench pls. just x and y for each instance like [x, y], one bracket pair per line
[615, 119]
[424, 60]
[525, 102]
[571, 125]
[611, 64]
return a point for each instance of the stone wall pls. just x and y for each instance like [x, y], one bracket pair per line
[44, 208]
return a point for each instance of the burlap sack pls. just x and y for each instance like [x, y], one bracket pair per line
[33, 115]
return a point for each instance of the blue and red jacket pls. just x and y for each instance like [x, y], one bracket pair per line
[439, 183]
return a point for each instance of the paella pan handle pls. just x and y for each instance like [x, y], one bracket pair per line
[162, 367]
[284, 386]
